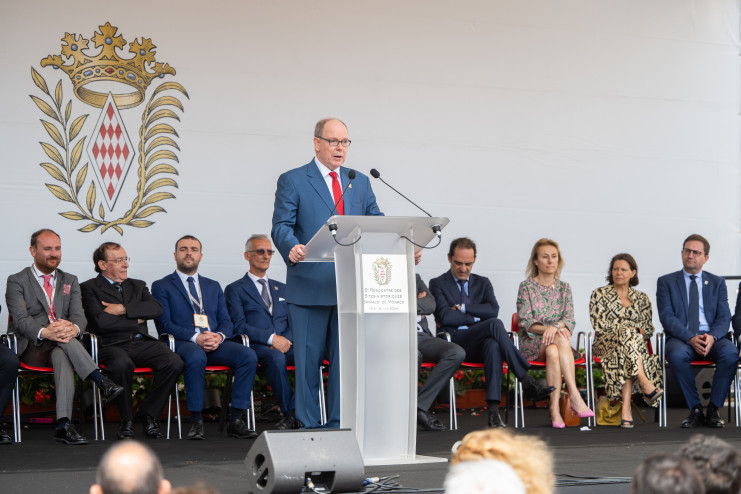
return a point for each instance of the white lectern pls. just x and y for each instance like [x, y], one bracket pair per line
[377, 306]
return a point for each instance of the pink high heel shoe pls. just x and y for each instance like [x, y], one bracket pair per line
[558, 425]
[583, 415]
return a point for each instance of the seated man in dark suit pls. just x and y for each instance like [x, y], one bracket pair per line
[46, 315]
[194, 312]
[117, 309]
[693, 309]
[468, 310]
[258, 308]
[8, 373]
[446, 356]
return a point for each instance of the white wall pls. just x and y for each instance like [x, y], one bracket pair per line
[609, 126]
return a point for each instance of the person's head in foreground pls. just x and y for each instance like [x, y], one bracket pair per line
[130, 467]
[528, 456]
[666, 474]
[483, 477]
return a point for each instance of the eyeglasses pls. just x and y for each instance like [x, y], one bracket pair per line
[119, 260]
[262, 252]
[696, 253]
[333, 142]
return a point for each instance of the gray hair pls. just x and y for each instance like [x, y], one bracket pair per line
[256, 236]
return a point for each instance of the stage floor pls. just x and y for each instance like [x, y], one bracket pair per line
[38, 464]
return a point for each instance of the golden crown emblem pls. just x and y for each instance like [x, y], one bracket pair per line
[86, 68]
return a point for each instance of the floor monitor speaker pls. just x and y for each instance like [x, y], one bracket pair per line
[283, 462]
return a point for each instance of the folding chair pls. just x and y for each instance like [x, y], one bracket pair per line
[138, 371]
[708, 364]
[583, 361]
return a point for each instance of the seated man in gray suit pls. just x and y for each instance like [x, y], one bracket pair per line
[446, 355]
[46, 313]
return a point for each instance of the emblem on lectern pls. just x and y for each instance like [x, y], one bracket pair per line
[382, 271]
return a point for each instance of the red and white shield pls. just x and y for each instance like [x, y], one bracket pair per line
[110, 151]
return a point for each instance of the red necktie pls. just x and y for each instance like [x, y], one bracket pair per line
[337, 193]
[49, 292]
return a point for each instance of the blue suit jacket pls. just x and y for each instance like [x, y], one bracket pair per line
[302, 204]
[447, 294]
[177, 314]
[250, 314]
[672, 303]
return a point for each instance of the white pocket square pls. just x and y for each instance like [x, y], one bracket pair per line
[281, 299]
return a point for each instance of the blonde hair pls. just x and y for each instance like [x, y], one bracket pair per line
[532, 270]
[527, 455]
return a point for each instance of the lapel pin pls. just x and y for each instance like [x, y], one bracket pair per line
[275, 288]
[706, 282]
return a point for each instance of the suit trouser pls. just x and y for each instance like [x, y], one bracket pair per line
[723, 353]
[66, 359]
[229, 353]
[315, 329]
[488, 342]
[275, 362]
[8, 373]
[446, 355]
[121, 360]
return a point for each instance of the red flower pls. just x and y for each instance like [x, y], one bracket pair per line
[39, 397]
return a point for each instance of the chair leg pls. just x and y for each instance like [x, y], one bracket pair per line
[322, 401]
[98, 413]
[251, 422]
[665, 398]
[16, 412]
[452, 406]
[736, 398]
[519, 405]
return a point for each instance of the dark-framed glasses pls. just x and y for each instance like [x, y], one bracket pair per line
[262, 252]
[333, 142]
[696, 253]
[119, 260]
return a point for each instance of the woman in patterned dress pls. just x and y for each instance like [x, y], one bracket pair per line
[545, 312]
[621, 317]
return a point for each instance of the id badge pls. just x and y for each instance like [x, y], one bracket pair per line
[200, 320]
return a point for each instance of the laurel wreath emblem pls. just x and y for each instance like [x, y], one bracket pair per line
[155, 149]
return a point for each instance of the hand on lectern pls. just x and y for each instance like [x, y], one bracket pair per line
[297, 254]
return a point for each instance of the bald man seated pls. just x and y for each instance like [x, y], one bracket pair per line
[130, 467]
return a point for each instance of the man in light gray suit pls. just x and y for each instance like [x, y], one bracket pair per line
[47, 316]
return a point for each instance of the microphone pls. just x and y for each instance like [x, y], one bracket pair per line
[333, 226]
[376, 174]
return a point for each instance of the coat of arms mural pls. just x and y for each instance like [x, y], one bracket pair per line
[91, 159]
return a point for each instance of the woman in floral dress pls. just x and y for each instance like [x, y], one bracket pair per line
[545, 312]
[621, 317]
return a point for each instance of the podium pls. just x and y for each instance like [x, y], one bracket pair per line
[377, 308]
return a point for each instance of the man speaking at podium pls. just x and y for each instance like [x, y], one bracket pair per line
[304, 199]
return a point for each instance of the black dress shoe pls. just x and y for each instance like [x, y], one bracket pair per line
[68, 435]
[288, 422]
[151, 427]
[196, 431]
[534, 391]
[427, 421]
[495, 420]
[109, 390]
[125, 430]
[712, 418]
[4, 437]
[240, 430]
[695, 419]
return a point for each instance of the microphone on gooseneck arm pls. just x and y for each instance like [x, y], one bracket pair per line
[376, 174]
[333, 226]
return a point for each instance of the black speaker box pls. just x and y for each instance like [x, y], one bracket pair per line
[280, 462]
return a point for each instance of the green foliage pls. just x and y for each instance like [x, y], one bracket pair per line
[37, 390]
